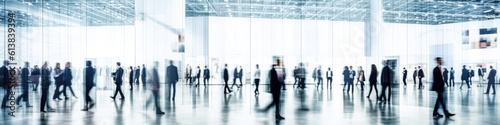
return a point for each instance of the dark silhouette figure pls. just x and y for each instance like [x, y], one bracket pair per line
[198, 75]
[329, 75]
[445, 76]
[143, 74]
[491, 80]
[276, 80]
[171, 77]
[131, 78]
[480, 73]
[319, 76]
[5, 83]
[155, 87]
[89, 73]
[25, 86]
[118, 81]
[67, 77]
[137, 73]
[420, 76]
[465, 77]
[361, 78]
[206, 76]
[45, 88]
[35, 77]
[295, 76]
[235, 76]
[405, 74]
[256, 78]
[415, 74]
[385, 79]
[373, 81]
[226, 78]
[58, 78]
[352, 76]
[471, 74]
[452, 76]
[346, 76]
[438, 86]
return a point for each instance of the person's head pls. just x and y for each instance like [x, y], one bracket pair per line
[118, 64]
[374, 68]
[418, 67]
[295, 67]
[225, 65]
[385, 62]
[68, 64]
[415, 67]
[143, 65]
[470, 67]
[319, 66]
[155, 64]
[350, 67]
[445, 69]
[491, 67]
[328, 68]
[463, 66]
[404, 68]
[346, 68]
[26, 64]
[46, 63]
[278, 62]
[257, 66]
[439, 61]
[480, 66]
[451, 68]
[301, 64]
[88, 63]
[131, 67]
[241, 67]
[360, 67]
[5, 62]
[171, 62]
[198, 67]
[36, 66]
[138, 67]
[58, 65]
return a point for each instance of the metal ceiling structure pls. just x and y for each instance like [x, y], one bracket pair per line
[431, 12]
[36, 13]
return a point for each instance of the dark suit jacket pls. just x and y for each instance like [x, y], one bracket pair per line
[67, 76]
[155, 78]
[421, 73]
[240, 74]
[386, 76]
[235, 73]
[275, 84]
[131, 76]
[46, 77]
[318, 73]
[24, 78]
[465, 74]
[198, 74]
[4, 77]
[445, 74]
[143, 74]
[346, 75]
[405, 73]
[118, 76]
[206, 73]
[415, 73]
[491, 76]
[471, 73]
[373, 76]
[438, 85]
[137, 73]
[89, 76]
[226, 74]
[480, 72]
[172, 76]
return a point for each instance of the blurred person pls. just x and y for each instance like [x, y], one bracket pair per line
[284, 76]
[197, 76]
[226, 78]
[256, 77]
[361, 78]
[420, 76]
[438, 86]
[206, 76]
[35, 77]
[131, 78]
[5, 82]
[329, 75]
[373, 81]
[405, 74]
[143, 74]
[385, 79]
[302, 76]
[452, 76]
[235, 76]
[346, 76]
[491, 80]
[58, 77]
[45, 88]
[137, 73]
[171, 77]
[480, 73]
[88, 83]
[25, 86]
[465, 77]
[67, 77]
[240, 75]
[415, 74]
[471, 74]
[295, 76]
[276, 80]
[118, 81]
[154, 83]
[445, 77]
[315, 74]
[352, 76]
[319, 77]
[188, 74]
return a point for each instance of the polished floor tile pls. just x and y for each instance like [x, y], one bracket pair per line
[209, 105]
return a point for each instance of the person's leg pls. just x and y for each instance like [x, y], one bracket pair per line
[420, 85]
[71, 89]
[64, 91]
[436, 106]
[371, 88]
[204, 81]
[56, 91]
[493, 86]
[404, 81]
[157, 102]
[382, 93]
[44, 98]
[415, 80]
[443, 105]
[169, 91]
[389, 92]
[234, 82]
[277, 103]
[345, 83]
[116, 92]
[120, 90]
[488, 88]
[173, 97]
[468, 84]
[241, 83]
[362, 86]
[348, 85]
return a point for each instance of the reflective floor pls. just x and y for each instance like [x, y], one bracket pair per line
[200, 105]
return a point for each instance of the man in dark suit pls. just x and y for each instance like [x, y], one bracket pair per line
[405, 74]
[45, 88]
[480, 73]
[415, 72]
[420, 76]
[471, 74]
[465, 77]
[276, 80]
[295, 76]
[25, 86]
[137, 73]
[491, 80]
[67, 78]
[226, 78]
[35, 77]
[240, 75]
[88, 81]
[346, 76]
[329, 75]
[118, 81]
[452, 76]
[385, 79]
[198, 75]
[206, 76]
[155, 87]
[172, 77]
[143, 74]
[445, 76]
[4, 82]
[352, 76]
[235, 76]
[438, 86]
[319, 76]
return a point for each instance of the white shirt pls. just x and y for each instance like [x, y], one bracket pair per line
[279, 72]
[256, 75]
[329, 73]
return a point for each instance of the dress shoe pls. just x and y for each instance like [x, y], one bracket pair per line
[160, 113]
[112, 97]
[449, 114]
[122, 98]
[43, 111]
[437, 115]
[280, 117]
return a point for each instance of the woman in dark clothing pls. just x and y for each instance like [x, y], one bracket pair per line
[131, 78]
[58, 81]
[373, 81]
